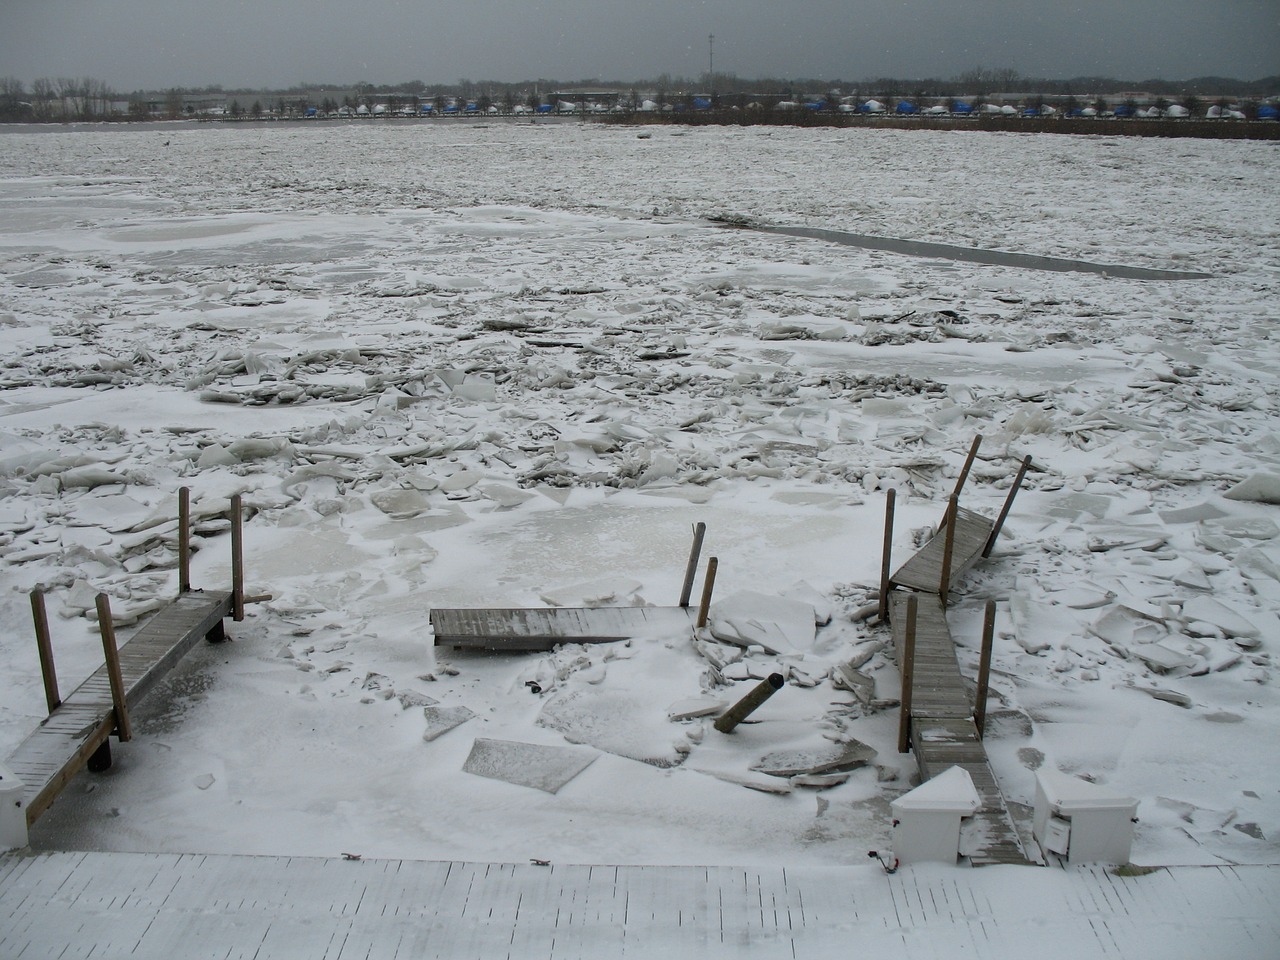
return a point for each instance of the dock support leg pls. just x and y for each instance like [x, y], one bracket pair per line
[907, 668]
[948, 548]
[100, 759]
[1008, 505]
[237, 559]
[984, 668]
[691, 570]
[886, 556]
[708, 585]
[184, 540]
[107, 629]
[51, 695]
[968, 464]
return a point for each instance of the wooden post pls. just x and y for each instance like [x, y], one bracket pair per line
[907, 668]
[1008, 505]
[886, 555]
[45, 646]
[184, 540]
[107, 629]
[690, 571]
[948, 548]
[707, 586]
[237, 559]
[984, 668]
[761, 692]
[968, 463]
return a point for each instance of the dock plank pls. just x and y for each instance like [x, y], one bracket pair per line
[535, 628]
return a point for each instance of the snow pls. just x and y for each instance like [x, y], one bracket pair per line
[513, 365]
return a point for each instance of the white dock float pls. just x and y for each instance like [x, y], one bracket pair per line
[80, 905]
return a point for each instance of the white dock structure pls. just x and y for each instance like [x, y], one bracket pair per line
[74, 906]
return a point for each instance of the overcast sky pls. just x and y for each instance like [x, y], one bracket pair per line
[136, 44]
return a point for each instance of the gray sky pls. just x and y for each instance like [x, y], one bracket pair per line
[134, 44]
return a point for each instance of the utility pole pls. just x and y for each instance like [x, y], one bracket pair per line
[711, 66]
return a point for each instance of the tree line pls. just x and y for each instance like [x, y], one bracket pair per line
[87, 98]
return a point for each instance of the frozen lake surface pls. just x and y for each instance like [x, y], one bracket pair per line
[452, 365]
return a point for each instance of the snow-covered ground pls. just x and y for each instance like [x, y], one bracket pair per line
[469, 365]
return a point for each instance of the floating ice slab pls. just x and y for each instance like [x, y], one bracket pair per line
[1245, 528]
[1208, 610]
[1192, 514]
[440, 720]
[527, 764]
[1159, 657]
[616, 721]
[1259, 488]
[779, 625]
[1122, 627]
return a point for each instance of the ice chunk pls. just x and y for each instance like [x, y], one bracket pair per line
[440, 720]
[694, 707]
[623, 723]
[400, 504]
[505, 496]
[778, 625]
[1122, 626]
[1208, 610]
[527, 764]
[1259, 488]
[1193, 514]
[828, 759]
[1246, 528]
[1159, 657]
[605, 592]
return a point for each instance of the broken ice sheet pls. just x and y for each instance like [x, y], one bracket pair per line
[623, 723]
[827, 759]
[604, 592]
[695, 707]
[1208, 610]
[779, 625]
[527, 764]
[440, 720]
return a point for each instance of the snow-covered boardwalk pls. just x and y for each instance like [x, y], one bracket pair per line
[71, 905]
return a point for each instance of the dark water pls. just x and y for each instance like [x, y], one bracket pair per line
[998, 258]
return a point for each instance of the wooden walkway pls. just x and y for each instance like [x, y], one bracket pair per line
[79, 727]
[943, 733]
[73, 906]
[542, 628]
[923, 572]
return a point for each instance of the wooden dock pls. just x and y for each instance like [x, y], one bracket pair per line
[148, 906]
[543, 628]
[942, 729]
[77, 731]
[79, 726]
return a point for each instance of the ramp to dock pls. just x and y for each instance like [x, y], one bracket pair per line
[924, 571]
[943, 732]
[519, 628]
[79, 727]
